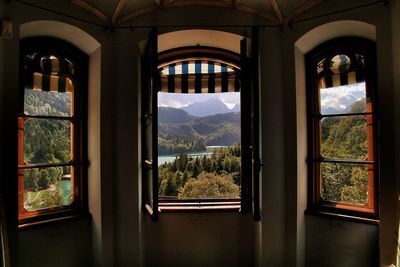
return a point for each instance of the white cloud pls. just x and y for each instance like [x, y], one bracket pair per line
[180, 100]
[343, 96]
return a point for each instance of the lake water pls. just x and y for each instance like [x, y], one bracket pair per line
[169, 158]
[65, 188]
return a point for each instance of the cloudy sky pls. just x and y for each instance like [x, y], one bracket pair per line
[337, 97]
[180, 100]
[343, 96]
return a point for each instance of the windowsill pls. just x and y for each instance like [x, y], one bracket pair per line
[194, 206]
[49, 221]
[343, 217]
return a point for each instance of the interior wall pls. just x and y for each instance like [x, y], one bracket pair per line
[43, 245]
[94, 152]
[332, 239]
[284, 237]
[395, 7]
[273, 197]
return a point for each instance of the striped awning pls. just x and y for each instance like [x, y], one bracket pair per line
[52, 75]
[54, 66]
[50, 83]
[341, 79]
[342, 71]
[199, 76]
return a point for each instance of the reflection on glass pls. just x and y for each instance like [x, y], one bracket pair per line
[344, 137]
[47, 103]
[47, 141]
[347, 183]
[343, 99]
[47, 188]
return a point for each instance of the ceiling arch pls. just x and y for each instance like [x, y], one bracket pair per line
[274, 12]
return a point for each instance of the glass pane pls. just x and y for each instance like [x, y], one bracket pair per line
[47, 141]
[47, 103]
[344, 137]
[347, 183]
[47, 188]
[343, 99]
[199, 146]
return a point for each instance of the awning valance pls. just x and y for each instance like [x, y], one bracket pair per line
[49, 73]
[49, 83]
[341, 70]
[199, 76]
[340, 79]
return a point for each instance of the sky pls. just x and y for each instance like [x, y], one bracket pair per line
[342, 96]
[336, 97]
[180, 100]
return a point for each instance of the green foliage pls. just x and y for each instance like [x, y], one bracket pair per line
[210, 185]
[46, 141]
[216, 176]
[345, 138]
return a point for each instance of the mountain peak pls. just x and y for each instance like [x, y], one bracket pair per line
[236, 108]
[208, 107]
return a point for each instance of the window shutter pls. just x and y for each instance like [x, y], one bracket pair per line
[245, 119]
[250, 127]
[255, 126]
[150, 87]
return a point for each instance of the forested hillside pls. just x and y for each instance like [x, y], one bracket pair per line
[45, 141]
[345, 138]
[179, 132]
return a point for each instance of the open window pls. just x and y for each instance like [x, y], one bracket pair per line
[52, 159]
[342, 128]
[197, 129]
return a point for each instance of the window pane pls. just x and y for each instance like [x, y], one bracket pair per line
[47, 141]
[199, 146]
[344, 137]
[47, 188]
[343, 99]
[347, 183]
[47, 103]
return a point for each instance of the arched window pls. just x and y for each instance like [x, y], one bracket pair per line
[52, 157]
[198, 114]
[343, 161]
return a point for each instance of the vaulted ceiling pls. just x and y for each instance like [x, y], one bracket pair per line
[119, 12]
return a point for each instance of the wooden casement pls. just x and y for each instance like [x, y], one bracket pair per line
[346, 46]
[78, 163]
[249, 84]
[150, 85]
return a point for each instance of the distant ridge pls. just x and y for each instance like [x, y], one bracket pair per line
[179, 130]
[206, 108]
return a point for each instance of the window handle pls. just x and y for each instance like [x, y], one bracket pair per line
[148, 164]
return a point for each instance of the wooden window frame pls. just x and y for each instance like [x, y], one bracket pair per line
[249, 201]
[370, 211]
[78, 124]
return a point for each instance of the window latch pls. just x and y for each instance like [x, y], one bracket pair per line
[148, 164]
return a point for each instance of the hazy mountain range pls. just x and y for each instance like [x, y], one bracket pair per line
[209, 107]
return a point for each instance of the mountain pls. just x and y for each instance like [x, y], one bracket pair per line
[208, 107]
[173, 115]
[355, 107]
[236, 108]
[330, 111]
[179, 132]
